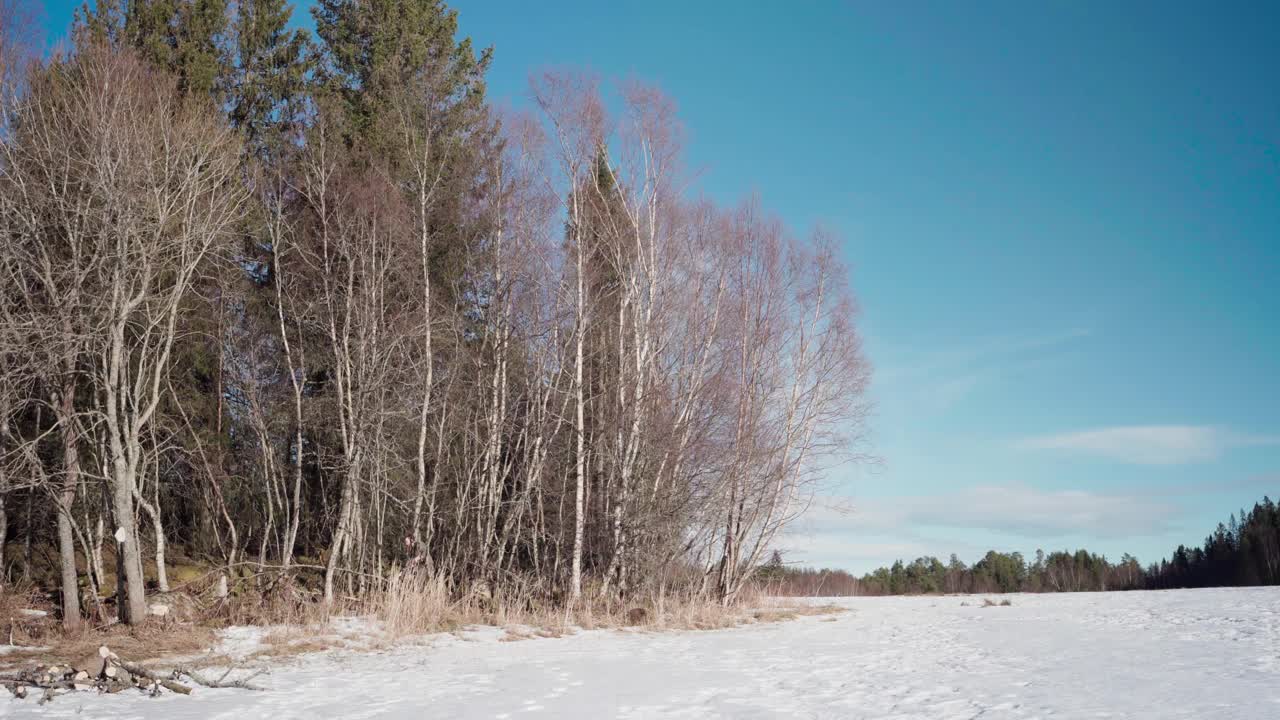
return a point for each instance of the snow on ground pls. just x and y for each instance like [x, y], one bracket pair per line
[1176, 654]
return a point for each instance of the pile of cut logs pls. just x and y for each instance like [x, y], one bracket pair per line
[106, 672]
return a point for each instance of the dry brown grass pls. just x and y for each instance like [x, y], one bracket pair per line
[514, 633]
[792, 610]
[409, 606]
[189, 630]
[822, 610]
[142, 642]
[416, 605]
[42, 637]
[774, 615]
[279, 644]
[19, 627]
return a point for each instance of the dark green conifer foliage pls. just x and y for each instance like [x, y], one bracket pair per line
[608, 249]
[269, 72]
[375, 49]
[201, 61]
[184, 37]
[102, 23]
[149, 28]
[410, 93]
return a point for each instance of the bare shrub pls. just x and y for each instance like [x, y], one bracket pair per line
[413, 604]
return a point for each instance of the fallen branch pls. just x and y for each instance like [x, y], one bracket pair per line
[166, 682]
[222, 682]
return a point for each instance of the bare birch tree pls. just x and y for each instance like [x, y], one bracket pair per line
[159, 177]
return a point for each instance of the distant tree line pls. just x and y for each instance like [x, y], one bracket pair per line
[1243, 551]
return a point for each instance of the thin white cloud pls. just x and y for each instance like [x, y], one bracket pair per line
[934, 381]
[1031, 512]
[843, 552]
[1150, 444]
[987, 353]
[1012, 507]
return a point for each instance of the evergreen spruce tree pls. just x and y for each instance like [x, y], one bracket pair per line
[103, 22]
[374, 49]
[184, 37]
[269, 74]
[401, 81]
[149, 29]
[200, 56]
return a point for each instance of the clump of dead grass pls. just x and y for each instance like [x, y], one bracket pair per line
[413, 604]
[26, 614]
[290, 640]
[144, 641]
[418, 604]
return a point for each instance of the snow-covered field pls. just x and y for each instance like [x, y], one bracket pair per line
[1179, 654]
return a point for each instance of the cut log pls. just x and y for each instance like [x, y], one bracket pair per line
[92, 666]
[175, 686]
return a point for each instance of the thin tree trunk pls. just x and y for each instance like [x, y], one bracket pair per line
[424, 198]
[26, 541]
[295, 512]
[5, 443]
[129, 559]
[342, 534]
[157, 527]
[4, 527]
[66, 498]
[579, 520]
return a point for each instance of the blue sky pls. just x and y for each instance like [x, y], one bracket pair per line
[1063, 221]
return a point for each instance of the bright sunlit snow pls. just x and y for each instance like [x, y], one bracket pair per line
[1174, 654]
